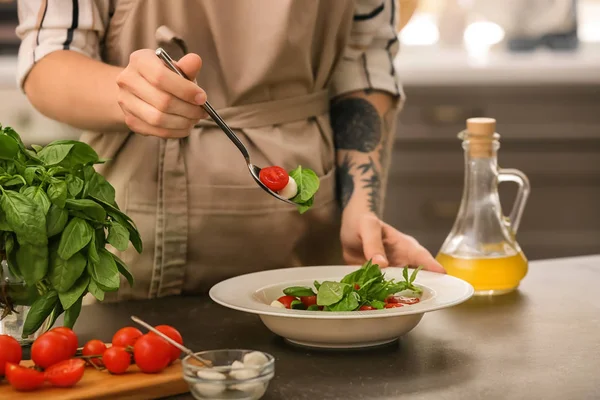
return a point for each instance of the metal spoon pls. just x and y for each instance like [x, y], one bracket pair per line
[171, 341]
[254, 170]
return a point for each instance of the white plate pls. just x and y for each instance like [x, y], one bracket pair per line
[254, 292]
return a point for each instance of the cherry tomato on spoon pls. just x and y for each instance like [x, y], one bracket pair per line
[275, 178]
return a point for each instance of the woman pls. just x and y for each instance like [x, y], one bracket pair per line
[306, 83]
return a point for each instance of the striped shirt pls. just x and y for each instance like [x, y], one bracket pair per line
[46, 26]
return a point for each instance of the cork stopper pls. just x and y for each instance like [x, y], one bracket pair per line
[481, 136]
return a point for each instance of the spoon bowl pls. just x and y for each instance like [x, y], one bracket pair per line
[255, 172]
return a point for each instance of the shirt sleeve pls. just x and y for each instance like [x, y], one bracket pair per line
[46, 26]
[368, 59]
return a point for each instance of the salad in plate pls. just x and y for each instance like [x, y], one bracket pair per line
[299, 186]
[362, 290]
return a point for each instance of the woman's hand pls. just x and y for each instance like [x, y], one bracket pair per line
[155, 100]
[364, 237]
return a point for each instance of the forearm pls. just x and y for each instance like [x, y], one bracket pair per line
[72, 88]
[363, 129]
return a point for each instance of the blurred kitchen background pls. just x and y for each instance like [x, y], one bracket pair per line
[534, 65]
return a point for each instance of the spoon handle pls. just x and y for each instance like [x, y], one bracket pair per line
[171, 341]
[164, 56]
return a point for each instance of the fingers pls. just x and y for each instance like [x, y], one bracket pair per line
[157, 101]
[406, 250]
[372, 239]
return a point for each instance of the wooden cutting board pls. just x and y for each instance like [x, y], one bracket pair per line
[101, 385]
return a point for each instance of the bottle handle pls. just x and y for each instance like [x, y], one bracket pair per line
[518, 177]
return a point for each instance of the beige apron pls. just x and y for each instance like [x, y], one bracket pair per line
[266, 66]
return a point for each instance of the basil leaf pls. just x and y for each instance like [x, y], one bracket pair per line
[64, 273]
[36, 148]
[310, 185]
[39, 311]
[380, 305]
[354, 277]
[349, 302]
[88, 207]
[37, 194]
[24, 217]
[124, 270]
[30, 174]
[56, 312]
[134, 235]
[96, 291]
[70, 297]
[304, 207]
[81, 154]
[313, 307]
[118, 236]
[413, 276]
[405, 274]
[24, 295]
[53, 154]
[297, 305]
[9, 148]
[317, 285]
[32, 262]
[298, 291]
[74, 184]
[75, 237]
[14, 181]
[56, 220]
[57, 192]
[99, 188]
[72, 313]
[93, 247]
[4, 223]
[105, 273]
[332, 292]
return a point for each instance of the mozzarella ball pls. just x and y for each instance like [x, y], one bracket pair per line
[255, 358]
[277, 304]
[211, 375]
[290, 190]
[237, 365]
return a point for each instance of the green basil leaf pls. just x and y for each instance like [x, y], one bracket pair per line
[4, 223]
[24, 295]
[313, 307]
[88, 207]
[349, 302]
[304, 207]
[57, 192]
[74, 184]
[298, 291]
[25, 218]
[81, 153]
[118, 236]
[297, 305]
[8, 148]
[405, 274]
[36, 148]
[14, 181]
[413, 276]
[317, 285]
[380, 305]
[70, 297]
[93, 247]
[354, 277]
[37, 194]
[54, 154]
[75, 237]
[134, 235]
[64, 273]
[56, 312]
[331, 292]
[32, 262]
[30, 174]
[56, 220]
[124, 270]
[39, 311]
[96, 291]
[72, 313]
[105, 273]
[99, 188]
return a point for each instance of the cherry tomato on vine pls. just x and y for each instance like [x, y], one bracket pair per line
[174, 334]
[23, 379]
[73, 341]
[286, 301]
[275, 178]
[50, 348]
[66, 373]
[94, 347]
[152, 353]
[116, 360]
[126, 336]
[10, 351]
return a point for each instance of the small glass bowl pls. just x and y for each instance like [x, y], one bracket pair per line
[216, 384]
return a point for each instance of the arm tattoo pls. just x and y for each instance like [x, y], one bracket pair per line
[345, 181]
[356, 125]
[373, 185]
